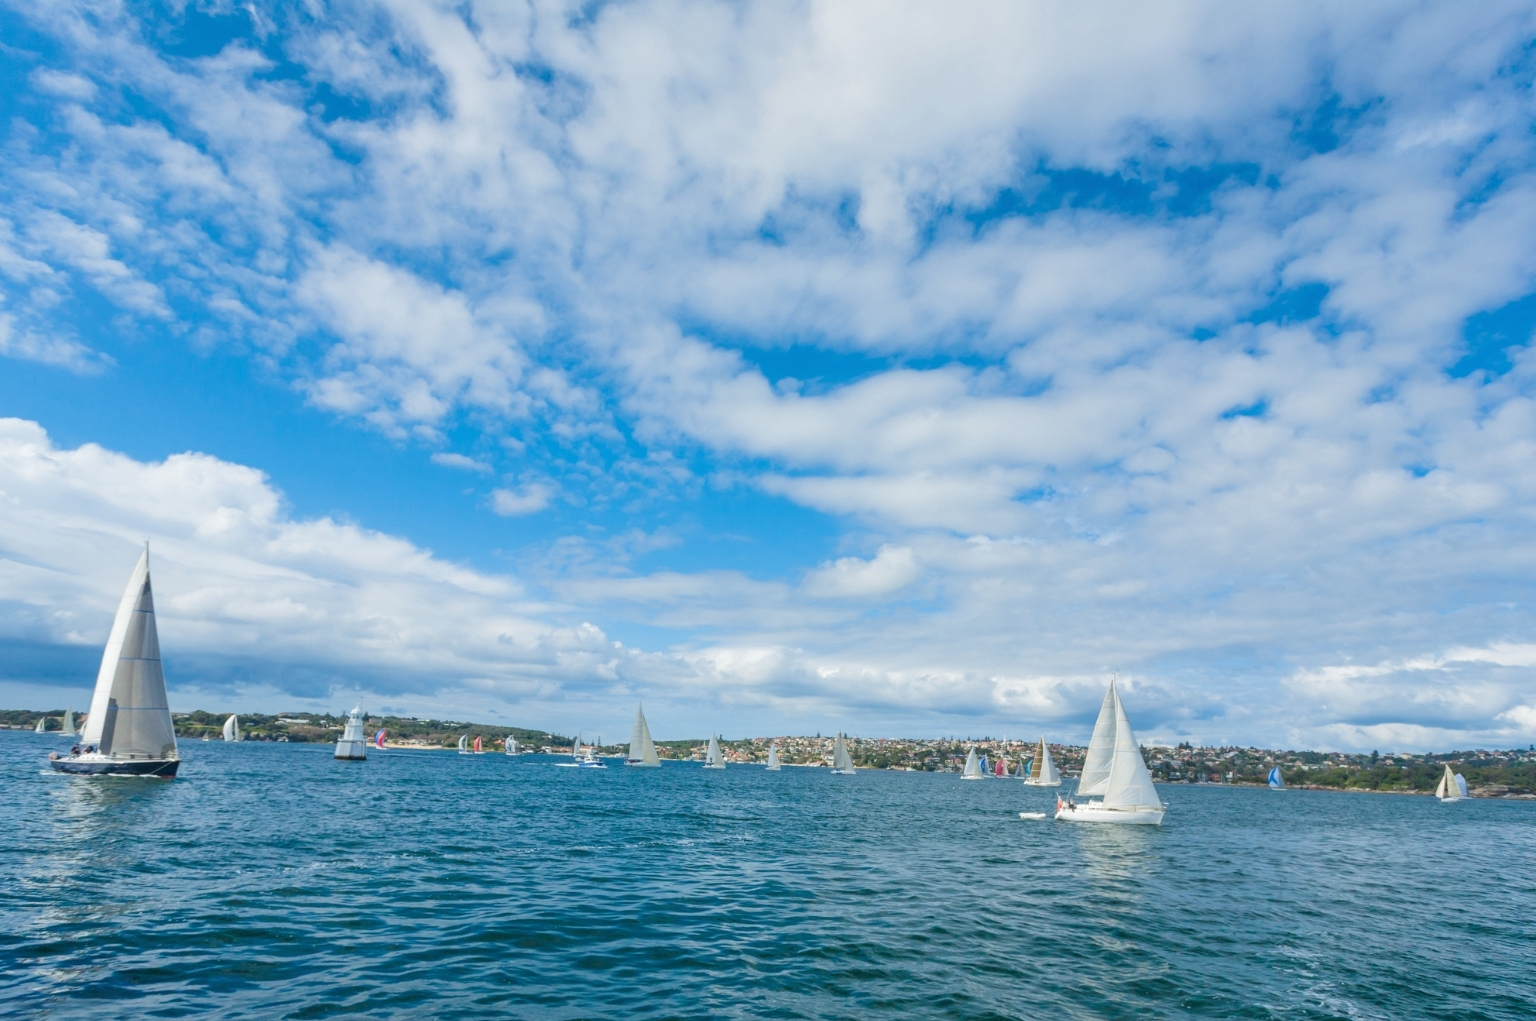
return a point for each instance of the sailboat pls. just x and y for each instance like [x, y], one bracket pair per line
[464, 745]
[69, 722]
[1044, 773]
[232, 728]
[773, 758]
[582, 758]
[510, 744]
[1001, 769]
[842, 761]
[1276, 781]
[42, 725]
[1022, 773]
[1115, 770]
[972, 767]
[712, 758]
[478, 749]
[642, 750]
[353, 744]
[378, 739]
[129, 729]
[1453, 787]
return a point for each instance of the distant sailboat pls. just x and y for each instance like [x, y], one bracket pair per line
[232, 728]
[1453, 787]
[1022, 773]
[1276, 781]
[1115, 770]
[642, 750]
[510, 744]
[582, 758]
[69, 722]
[773, 758]
[42, 725]
[986, 767]
[972, 767]
[1001, 769]
[464, 745]
[1044, 773]
[842, 760]
[353, 744]
[712, 757]
[478, 750]
[378, 739]
[129, 729]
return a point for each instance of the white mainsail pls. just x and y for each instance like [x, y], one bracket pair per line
[642, 750]
[773, 757]
[1453, 786]
[1045, 773]
[972, 767]
[1130, 784]
[712, 757]
[69, 722]
[232, 728]
[1101, 748]
[842, 762]
[42, 725]
[130, 717]
[510, 744]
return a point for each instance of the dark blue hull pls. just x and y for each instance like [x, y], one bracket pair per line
[163, 768]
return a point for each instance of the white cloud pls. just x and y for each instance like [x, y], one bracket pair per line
[893, 568]
[527, 499]
[559, 255]
[459, 461]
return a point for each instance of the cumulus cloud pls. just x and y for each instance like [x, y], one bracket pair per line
[1151, 318]
[526, 499]
[891, 569]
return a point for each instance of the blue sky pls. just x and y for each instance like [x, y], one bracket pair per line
[788, 367]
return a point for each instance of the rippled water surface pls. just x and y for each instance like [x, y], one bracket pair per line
[271, 881]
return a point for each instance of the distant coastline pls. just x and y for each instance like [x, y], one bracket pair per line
[1509, 773]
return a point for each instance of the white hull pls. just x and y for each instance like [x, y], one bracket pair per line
[1447, 801]
[1032, 782]
[774, 769]
[638, 764]
[717, 765]
[351, 750]
[975, 776]
[1096, 812]
[844, 772]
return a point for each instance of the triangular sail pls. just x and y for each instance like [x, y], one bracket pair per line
[1101, 749]
[42, 726]
[1130, 784]
[773, 756]
[972, 767]
[463, 742]
[232, 728]
[1275, 779]
[1049, 774]
[69, 722]
[130, 717]
[712, 756]
[1447, 787]
[1461, 786]
[642, 750]
[842, 762]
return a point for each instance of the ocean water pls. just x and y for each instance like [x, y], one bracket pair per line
[270, 881]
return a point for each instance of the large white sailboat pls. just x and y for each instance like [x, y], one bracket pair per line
[1044, 773]
[232, 728]
[774, 765]
[353, 744]
[642, 750]
[712, 757]
[842, 761]
[1115, 771]
[128, 730]
[1453, 787]
[972, 767]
